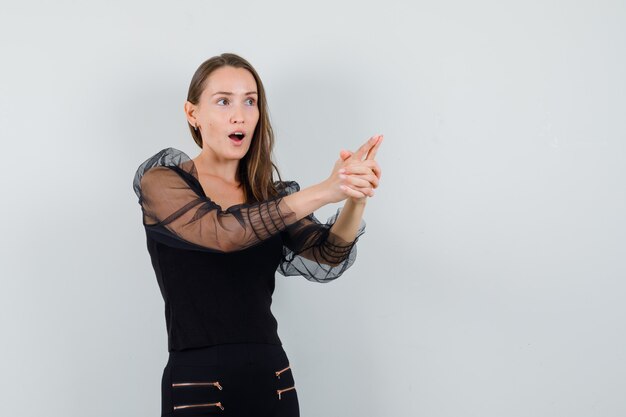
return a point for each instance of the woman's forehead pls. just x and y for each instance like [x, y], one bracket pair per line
[230, 80]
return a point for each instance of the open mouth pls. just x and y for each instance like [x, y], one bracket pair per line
[238, 136]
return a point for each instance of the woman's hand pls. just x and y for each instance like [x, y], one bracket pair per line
[360, 176]
[360, 179]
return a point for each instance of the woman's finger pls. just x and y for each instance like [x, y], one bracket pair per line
[371, 179]
[357, 181]
[343, 154]
[362, 151]
[363, 167]
[372, 152]
[368, 191]
[362, 183]
[366, 174]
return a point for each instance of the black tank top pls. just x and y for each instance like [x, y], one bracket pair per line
[216, 268]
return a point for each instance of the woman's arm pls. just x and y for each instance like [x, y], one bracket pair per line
[360, 176]
[348, 221]
[322, 252]
[176, 210]
[311, 250]
[350, 176]
[309, 199]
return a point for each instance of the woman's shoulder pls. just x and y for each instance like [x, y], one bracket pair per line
[165, 157]
[175, 160]
[168, 158]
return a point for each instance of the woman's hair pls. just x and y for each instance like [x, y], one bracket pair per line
[255, 168]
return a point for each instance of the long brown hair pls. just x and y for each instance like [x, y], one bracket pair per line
[255, 168]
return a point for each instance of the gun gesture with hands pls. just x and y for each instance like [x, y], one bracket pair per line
[359, 176]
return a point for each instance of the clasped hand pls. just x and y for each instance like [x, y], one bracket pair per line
[354, 177]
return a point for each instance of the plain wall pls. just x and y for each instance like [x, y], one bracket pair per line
[490, 279]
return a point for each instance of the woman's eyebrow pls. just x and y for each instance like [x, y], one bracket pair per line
[228, 93]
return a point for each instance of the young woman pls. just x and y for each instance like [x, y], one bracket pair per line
[218, 227]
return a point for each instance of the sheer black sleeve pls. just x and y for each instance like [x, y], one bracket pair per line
[310, 249]
[177, 212]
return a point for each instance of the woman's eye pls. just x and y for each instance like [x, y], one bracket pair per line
[222, 99]
[251, 101]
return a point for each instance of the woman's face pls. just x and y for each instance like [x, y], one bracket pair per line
[227, 105]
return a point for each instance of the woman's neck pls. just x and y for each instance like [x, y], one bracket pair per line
[208, 163]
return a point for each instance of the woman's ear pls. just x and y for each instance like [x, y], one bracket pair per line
[190, 110]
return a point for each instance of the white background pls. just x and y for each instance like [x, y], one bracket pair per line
[490, 280]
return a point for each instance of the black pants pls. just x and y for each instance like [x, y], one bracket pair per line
[235, 380]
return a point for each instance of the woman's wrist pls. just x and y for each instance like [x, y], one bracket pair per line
[361, 201]
[324, 192]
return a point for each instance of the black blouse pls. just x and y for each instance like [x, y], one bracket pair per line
[216, 268]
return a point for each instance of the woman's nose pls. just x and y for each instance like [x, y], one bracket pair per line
[237, 116]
